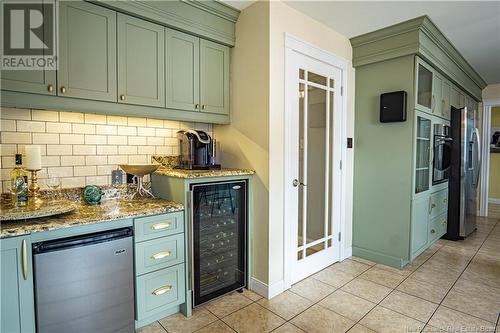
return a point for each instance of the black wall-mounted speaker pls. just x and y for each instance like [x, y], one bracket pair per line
[393, 107]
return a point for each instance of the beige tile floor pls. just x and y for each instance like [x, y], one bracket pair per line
[451, 287]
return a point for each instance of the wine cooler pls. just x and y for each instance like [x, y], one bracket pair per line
[219, 217]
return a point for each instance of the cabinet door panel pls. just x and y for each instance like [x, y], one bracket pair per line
[424, 83]
[18, 303]
[437, 94]
[214, 77]
[87, 46]
[419, 223]
[31, 81]
[183, 71]
[141, 59]
[445, 99]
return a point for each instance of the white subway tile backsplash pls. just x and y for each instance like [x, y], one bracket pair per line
[7, 125]
[45, 138]
[15, 137]
[44, 115]
[127, 130]
[72, 160]
[91, 118]
[58, 127]
[73, 139]
[117, 120]
[83, 129]
[15, 113]
[85, 171]
[106, 129]
[137, 140]
[107, 150]
[71, 117]
[30, 126]
[95, 139]
[133, 121]
[84, 148]
[96, 160]
[59, 149]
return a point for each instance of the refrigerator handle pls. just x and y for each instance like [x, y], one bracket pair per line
[479, 159]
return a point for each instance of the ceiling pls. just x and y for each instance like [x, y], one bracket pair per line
[473, 27]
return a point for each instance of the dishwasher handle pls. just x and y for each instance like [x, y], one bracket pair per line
[82, 240]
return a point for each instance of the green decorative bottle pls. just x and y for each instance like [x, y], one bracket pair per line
[19, 183]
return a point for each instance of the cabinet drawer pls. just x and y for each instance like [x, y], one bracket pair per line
[437, 227]
[160, 290]
[438, 203]
[159, 253]
[158, 226]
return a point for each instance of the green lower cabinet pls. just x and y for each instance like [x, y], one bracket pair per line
[18, 303]
[141, 61]
[159, 253]
[419, 225]
[160, 291]
[87, 51]
[214, 77]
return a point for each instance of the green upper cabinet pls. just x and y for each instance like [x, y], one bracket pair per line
[446, 99]
[183, 71]
[18, 305]
[33, 81]
[214, 77]
[141, 62]
[87, 51]
[437, 94]
[424, 78]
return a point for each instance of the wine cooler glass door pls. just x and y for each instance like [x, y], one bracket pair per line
[219, 239]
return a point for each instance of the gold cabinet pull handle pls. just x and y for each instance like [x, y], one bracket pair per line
[50, 88]
[122, 97]
[433, 231]
[160, 255]
[24, 260]
[63, 89]
[162, 290]
[159, 226]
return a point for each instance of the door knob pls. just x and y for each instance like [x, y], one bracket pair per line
[296, 183]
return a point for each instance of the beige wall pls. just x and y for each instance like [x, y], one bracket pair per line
[492, 91]
[83, 148]
[245, 143]
[286, 19]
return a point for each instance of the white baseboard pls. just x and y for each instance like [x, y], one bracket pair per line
[494, 201]
[265, 290]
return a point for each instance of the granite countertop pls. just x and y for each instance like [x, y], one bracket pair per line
[188, 174]
[108, 210]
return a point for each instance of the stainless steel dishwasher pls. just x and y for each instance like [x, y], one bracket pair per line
[85, 283]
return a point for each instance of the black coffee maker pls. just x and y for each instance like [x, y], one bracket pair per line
[196, 150]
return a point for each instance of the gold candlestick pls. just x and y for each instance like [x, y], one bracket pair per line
[34, 188]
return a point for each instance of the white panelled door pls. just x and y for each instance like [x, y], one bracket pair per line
[313, 155]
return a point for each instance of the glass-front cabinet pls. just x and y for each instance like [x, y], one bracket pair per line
[423, 152]
[424, 93]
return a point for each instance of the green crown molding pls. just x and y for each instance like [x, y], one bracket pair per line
[217, 8]
[419, 36]
[208, 19]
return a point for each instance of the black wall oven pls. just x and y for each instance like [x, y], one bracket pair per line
[442, 154]
[219, 222]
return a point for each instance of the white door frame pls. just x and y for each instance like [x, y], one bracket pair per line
[488, 104]
[293, 44]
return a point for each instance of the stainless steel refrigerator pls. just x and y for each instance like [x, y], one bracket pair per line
[464, 177]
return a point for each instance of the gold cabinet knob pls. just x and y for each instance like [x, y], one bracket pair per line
[50, 88]
[433, 205]
[122, 97]
[445, 200]
[203, 107]
[433, 231]
[196, 106]
[63, 89]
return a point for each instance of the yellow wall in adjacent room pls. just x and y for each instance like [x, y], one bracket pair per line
[494, 179]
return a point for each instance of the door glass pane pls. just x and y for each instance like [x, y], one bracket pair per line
[300, 238]
[424, 90]
[330, 178]
[423, 152]
[315, 134]
[316, 78]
